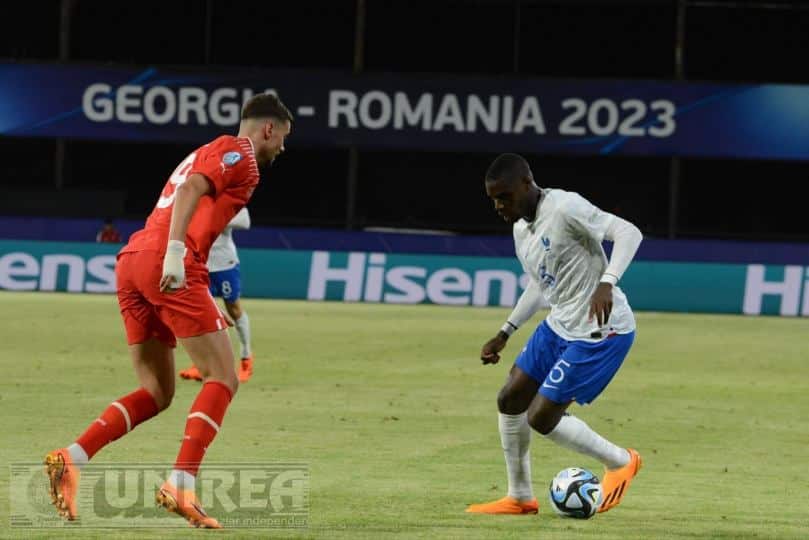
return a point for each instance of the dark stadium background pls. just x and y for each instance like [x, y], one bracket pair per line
[356, 188]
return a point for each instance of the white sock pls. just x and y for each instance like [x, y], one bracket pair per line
[515, 435]
[182, 480]
[78, 455]
[243, 328]
[574, 434]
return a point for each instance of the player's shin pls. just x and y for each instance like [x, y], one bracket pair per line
[573, 433]
[202, 425]
[118, 419]
[515, 436]
[243, 329]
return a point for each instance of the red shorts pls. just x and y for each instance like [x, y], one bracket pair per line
[147, 312]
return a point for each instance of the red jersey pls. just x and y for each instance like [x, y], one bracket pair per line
[229, 164]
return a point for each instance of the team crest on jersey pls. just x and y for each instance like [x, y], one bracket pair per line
[231, 158]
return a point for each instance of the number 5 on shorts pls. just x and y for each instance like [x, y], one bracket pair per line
[557, 373]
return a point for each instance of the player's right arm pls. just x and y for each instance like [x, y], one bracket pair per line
[529, 303]
[187, 196]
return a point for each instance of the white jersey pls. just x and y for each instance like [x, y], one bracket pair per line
[561, 250]
[223, 255]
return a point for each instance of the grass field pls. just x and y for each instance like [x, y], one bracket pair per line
[397, 420]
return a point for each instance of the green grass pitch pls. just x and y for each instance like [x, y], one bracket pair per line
[396, 417]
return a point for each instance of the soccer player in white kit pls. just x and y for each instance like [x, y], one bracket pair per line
[575, 352]
[225, 276]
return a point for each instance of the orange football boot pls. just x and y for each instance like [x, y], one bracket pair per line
[64, 479]
[506, 505]
[185, 504]
[616, 482]
[246, 369]
[191, 373]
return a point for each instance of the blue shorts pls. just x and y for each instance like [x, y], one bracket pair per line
[227, 284]
[572, 370]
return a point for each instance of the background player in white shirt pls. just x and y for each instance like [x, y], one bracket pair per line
[577, 350]
[223, 269]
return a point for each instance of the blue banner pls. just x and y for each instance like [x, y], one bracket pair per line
[413, 112]
[312, 239]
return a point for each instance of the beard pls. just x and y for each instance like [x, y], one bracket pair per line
[266, 166]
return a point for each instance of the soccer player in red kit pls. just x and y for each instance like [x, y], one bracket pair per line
[163, 296]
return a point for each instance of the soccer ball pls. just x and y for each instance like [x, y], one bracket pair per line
[576, 493]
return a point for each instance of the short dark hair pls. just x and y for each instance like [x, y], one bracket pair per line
[264, 105]
[509, 167]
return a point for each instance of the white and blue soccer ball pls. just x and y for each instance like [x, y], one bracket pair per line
[576, 493]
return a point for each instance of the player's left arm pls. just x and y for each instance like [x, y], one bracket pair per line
[186, 199]
[601, 225]
[626, 238]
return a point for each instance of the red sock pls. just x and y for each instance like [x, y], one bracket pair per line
[118, 419]
[202, 425]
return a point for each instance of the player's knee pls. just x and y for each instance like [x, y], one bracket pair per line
[543, 421]
[166, 400]
[234, 310]
[508, 402]
[226, 377]
[169, 395]
[232, 382]
[162, 396]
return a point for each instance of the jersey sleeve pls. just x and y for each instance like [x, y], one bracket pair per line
[518, 251]
[586, 217]
[222, 165]
[241, 221]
